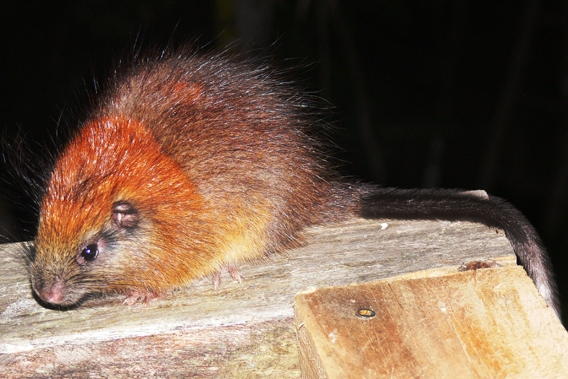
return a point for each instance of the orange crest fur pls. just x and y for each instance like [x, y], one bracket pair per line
[212, 159]
[112, 160]
[190, 163]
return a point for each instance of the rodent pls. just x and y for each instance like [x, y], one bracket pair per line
[192, 162]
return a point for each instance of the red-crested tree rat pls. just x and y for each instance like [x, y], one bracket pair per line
[194, 162]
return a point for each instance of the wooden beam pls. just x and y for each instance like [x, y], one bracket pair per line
[354, 251]
[489, 323]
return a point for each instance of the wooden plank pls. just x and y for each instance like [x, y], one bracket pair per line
[489, 323]
[256, 350]
[350, 252]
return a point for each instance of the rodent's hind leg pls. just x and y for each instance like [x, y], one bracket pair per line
[233, 271]
[145, 297]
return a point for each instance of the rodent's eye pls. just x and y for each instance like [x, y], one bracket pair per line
[90, 252]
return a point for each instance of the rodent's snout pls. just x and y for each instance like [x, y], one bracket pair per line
[52, 293]
[55, 288]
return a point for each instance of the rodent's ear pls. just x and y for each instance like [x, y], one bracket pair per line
[124, 215]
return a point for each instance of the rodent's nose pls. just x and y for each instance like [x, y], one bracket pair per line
[52, 294]
[53, 297]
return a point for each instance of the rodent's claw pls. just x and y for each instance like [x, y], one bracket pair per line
[216, 279]
[145, 297]
[233, 271]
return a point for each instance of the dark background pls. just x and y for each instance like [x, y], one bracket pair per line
[459, 94]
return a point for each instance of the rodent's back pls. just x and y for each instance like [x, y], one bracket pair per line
[240, 137]
[206, 160]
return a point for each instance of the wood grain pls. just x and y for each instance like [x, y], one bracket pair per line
[489, 323]
[355, 251]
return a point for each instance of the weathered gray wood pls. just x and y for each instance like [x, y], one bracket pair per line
[355, 251]
[263, 350]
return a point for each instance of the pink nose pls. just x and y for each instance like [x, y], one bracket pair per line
[53, 294]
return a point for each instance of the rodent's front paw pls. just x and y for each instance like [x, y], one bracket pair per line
[233, 271]
[145, 297]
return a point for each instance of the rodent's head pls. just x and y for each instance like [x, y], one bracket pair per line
[70, 262]
[113, 203]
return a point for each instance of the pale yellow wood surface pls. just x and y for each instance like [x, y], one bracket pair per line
[489, 323]
[351, 252]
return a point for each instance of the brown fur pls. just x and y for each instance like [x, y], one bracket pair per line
[192, 163]
[213, 157]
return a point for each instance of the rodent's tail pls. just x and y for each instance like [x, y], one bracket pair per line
[456, 205]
